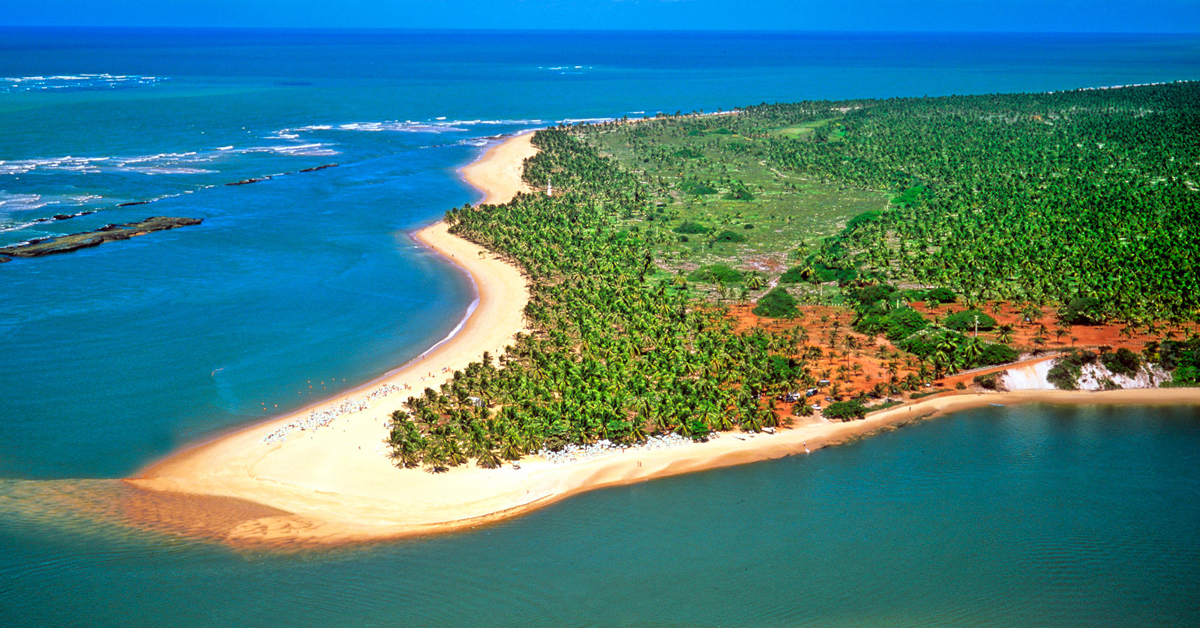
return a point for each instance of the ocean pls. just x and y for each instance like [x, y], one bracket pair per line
[304, 284]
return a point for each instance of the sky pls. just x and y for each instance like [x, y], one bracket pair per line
[1110, 16]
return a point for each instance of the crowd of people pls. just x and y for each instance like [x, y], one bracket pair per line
[322, 418]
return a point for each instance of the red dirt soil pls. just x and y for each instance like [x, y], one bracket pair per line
[856, 363]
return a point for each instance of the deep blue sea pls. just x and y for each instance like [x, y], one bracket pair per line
[306, 283]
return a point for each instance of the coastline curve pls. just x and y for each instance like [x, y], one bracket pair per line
[336, 485]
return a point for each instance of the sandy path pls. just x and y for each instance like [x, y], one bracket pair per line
[335, 485]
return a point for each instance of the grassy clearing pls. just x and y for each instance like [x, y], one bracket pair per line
[720, 180]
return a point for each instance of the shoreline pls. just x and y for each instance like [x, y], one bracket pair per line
[297, 474]
[335, 485]
[470, 497]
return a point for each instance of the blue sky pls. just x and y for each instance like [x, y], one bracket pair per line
[787, 15]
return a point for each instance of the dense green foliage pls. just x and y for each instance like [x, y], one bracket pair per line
[729, 236]
[939, 295]
[716, 273]
[1051, 197]
[844, 411]
[795, 275]
[1067, 369]
[1180, 357]
[911, 196]
[902, 323]
[1028, 197]
[996, 354]
[1086, 199]
[615, 354]
[691, 227]
[776, 304]
[824, 273]
[989, 381]
[1122, 362]
[969, 320]
[878, 311]
[1083, 311]
[738, 192]
[697, 187]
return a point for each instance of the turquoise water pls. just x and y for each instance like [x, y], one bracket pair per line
[1018, 516]
[116, 355]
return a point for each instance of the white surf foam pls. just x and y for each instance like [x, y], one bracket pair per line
[75, 82]
[437, 125]
[298, 150]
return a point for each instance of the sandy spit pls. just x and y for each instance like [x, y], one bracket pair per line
[335, 484]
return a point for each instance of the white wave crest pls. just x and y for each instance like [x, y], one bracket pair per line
[21, 202]
[75, 82]
[584, 120]
[150, 164]
[297, 150]
[438, 125]
[164, 170]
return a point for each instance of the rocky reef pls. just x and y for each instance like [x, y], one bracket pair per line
[107, 233]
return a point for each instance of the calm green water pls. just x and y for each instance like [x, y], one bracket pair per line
[1018, 516]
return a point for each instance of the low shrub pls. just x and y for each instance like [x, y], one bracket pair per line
[794, 275]
[872, 294]
[823, 274]
[716, 273]
[844, 411]
[862, 219]
[1122, 362]
[738, 192]
[996, 354]
[697, 188]
[902, 323]
[688, 226]
[990, 381]
[1083, 311]
[966, 321]
[729, 236]
[1065, 373]
[776, 304]
[940, 295]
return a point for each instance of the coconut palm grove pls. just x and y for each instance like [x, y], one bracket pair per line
[698, 273]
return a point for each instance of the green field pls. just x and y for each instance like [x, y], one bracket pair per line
[696, 175]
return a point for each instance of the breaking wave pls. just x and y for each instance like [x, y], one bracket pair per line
[297, 150]
[438, 125]
[75, 82]
[161, 163]
[157, 164]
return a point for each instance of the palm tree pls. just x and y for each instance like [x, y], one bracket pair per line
[972, 350]
[754, 282]
[680, 280]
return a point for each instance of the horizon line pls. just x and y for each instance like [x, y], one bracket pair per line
[444, 29]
